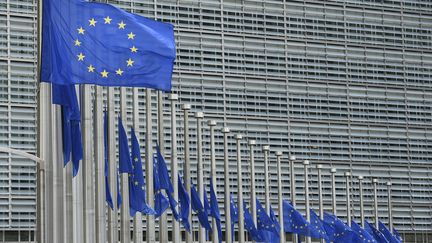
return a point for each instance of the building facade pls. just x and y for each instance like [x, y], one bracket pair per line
[345, 84]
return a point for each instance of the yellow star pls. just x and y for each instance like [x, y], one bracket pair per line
[130, 62]
[107, 20]
[91, 69]
[81, 31]
[92, 22]
[104, 74]
[133, 49]
[80, 57]
[121, 25]
[136, 183]
[131, 36]
[119, 72]
[77, 43]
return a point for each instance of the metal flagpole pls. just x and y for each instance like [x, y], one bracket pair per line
[98, 139]
[306, 183]
[362, 216]
[186, 170]
[252, 144]
[212, 124]
[292, 158]
[280, 197]
[228, 232]
[150, 233]
[112, 214]
[320, 195]
[58, 203]
[348, 197]
[266, 150]
[68, 206]
[137, 232]
[200, 172]
[124, 211]
[333, 188]
[241, 236]
[375, 184]
[174, 164]
[390, 207]
[163, 230]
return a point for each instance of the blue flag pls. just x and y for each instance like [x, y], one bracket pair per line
[108, 197]
[125, 165]
[119, 196]
[265, 224]
[198, 207]
[95, 43]
[294, 222]
[375, 233]
[161, 202]
[137, 193]
[184, 202]
[387, 234]
[274, 237]
[361, 235]
[65, 96]
[207, 209]
[337, 231]
[214, 209]
[250, 225]
[317, 227]
[234, 215]
[397, 235]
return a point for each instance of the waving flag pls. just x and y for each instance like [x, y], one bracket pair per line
[125, 165]
[207, 208]
[337, 231]
[214, 209]
[275, 238]
[265, 224]
[317, 227]
[94, 43]
[397, 235]
[294, 222]
[108, 197]
[161, 202]
[199, 208]
[361, 235]
[375, 233]
[184, 202]
[234, 215]
[387, 234]
[250, 225]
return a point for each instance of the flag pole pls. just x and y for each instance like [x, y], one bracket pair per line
[320, 195]
[58, 203]
[228, 232]
[112, 214]
[280, 197]
[333, 189]
[186, 170]
[362, 216]
[390, 207]
[212, 124]
[174, 165]
[292, 159]
[200, 172]
[266, 149]
[306, 164]
[137, 223]
[252, 144]
[163, 230]
[348, 197]
[150, 232]
[241, 236]
[375, 184]
[124, 211]
[98, 139]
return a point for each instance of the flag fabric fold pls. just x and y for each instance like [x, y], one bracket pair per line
[184, 202]
[317, 227]
[250, 225]
[387, 234]
[214, 209]
[95, 43]
[337, 231]
[125, 164]
[160, 201]
[361, 235]
[265, 224]
[375, 233]
[234, 215]
[198, 208]
[397, 235]
[108, 197]
[294, 222]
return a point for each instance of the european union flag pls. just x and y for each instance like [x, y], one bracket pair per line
[184, 202]
[250, 225]
[214, 209]
[361, 235]
[95, 43]
[397, 235]
[234, 215]
[65, 96]
[274, 237]
[125, 165]
[375, 233]
[317, 227]
[198, 207]
[108, 197]
[207, 209]
[294, 222]
[265, 225]
[161, 202]
[137, 194]
[337, 231]
[387, 234]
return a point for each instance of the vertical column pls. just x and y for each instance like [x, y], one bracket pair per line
[200, 172]
[149, 168]
[280, 196]
[186, 169]
[58, 203]
[266, 149]
[362, 216]
[174, 164]
[320, 195]
[348, 197]
[375, 184]
[333, 189]
[390, 207]
[112, 214]
[124, 211]
[138, 228]
[228, 233]
[252, 144]
[163, 230]
[306, 182]
[292, 159]
[241, 235]
[212, 125]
